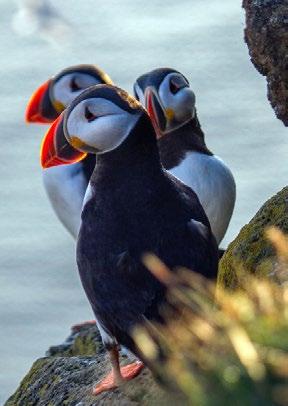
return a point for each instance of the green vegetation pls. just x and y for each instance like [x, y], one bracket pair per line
[85, 342]
[222, 347]
[251, 251]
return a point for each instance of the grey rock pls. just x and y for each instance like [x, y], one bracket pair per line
[266, 35]
[67, 375]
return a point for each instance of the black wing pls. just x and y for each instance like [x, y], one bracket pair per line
[191, 199]
[123, 296]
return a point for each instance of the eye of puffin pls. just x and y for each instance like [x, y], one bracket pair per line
[73, 85]
[177, 83]
[89, 115]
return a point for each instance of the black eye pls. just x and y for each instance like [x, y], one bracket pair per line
[73, 85]
[177, 83]
[89, 115]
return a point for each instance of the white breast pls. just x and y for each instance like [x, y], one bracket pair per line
[214, 185]
[65, 186]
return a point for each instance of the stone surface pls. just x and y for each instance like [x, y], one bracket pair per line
[84, 341]
[266, 35]
[66, 377]
[251, 251]
[60, 381]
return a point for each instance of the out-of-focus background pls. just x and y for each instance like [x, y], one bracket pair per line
[41, 296]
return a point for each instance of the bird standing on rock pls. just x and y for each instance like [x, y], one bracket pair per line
[133, 207]
[170, 102]
[65, 185]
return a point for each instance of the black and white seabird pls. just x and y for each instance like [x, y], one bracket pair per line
[134, 207]
[65, 185]
[171, 105]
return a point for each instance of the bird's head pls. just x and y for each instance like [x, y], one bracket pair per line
[53, 96]
[167, 97]
[98, 121]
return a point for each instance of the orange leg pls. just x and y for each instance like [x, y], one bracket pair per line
[79, 326]
[118, 375]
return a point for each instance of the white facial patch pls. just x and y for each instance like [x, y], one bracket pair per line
[64, 89]
[139, 94]
[106, 131]
[182, 103]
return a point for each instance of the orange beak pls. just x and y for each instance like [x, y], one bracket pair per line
[33, 110]
[155, 112]
[56, 150]
[150, 107]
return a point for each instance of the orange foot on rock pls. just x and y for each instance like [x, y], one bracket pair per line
[128, 372]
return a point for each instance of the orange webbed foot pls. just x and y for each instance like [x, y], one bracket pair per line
[110, 382]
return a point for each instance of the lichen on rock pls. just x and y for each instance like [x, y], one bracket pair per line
[61, 381]
[266, 34]
[85, 341]
[251, 251]
[66, 377]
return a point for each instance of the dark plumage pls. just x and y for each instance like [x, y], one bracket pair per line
[174, 146]
[189, 137]
[138, 208]
[159, 74]
[88, 165]
[133, 207]
[171, 104]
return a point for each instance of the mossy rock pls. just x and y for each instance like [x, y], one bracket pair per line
[251, 251]
[66, 377]
[61, 381]
[84, 341]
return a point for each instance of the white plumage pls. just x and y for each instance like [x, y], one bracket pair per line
[66, 186]
[171, 104]
[214, 185]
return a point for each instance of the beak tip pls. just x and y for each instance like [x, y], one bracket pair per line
[36, 119]
[29, 119]
[44, 165]
[49, 161]
[55, 149]
[33, 109]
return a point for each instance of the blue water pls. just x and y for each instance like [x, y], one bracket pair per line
[40, 293]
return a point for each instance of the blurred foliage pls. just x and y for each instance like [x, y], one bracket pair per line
[219, 347]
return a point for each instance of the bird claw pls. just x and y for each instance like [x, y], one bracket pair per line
[128, 372]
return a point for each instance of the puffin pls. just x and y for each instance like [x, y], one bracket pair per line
[65, 185]
[170, 102]
[134, 206]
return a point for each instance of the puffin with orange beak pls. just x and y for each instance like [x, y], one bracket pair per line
[65, 185]
[171, 104]
[133, 207]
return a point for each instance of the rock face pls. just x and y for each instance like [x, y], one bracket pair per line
[66, 377]
[251, 251]
[266, 35]
[83, 341]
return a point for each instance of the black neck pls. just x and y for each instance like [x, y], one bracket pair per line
[173, 146]
[137, 155]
